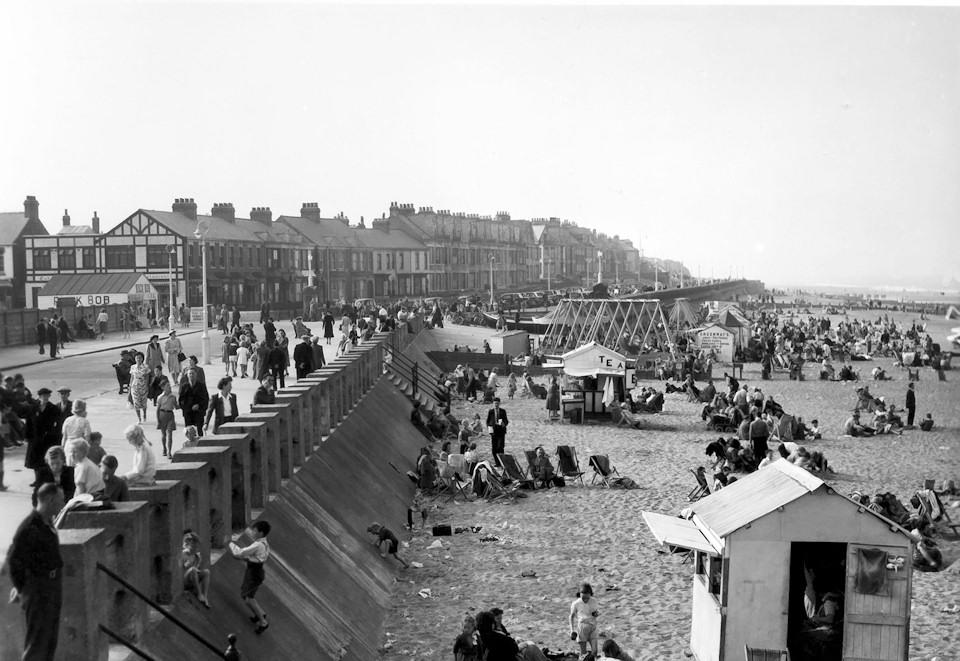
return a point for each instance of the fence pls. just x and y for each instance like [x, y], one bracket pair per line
[19, 327]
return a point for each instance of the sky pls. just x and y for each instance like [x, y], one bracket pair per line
[797, 145]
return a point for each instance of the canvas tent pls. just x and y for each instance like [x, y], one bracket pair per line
[952, 313]
[682, 315]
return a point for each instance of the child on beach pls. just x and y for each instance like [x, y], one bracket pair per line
[927, 423]
[195, 579]
[511, 385]
[417, 508]
[465, 645]
[191, 437]
[243, 357]
[255, 556]
[386, 535]
[583, 620]
[166, 420]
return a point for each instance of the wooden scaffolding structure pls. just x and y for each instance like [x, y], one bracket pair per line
[628, 326]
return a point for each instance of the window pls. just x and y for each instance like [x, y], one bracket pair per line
[223, 256]
[158, 257]
[3, 260]
[191, 255]
[401, 264]
[120, 257]
[66, 258]
[274, 258]
[354, 262]
[379, 261]
[41, 258]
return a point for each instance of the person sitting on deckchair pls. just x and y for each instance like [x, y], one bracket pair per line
[926, 555]
[717, 450]
[417, 421]
[627, 418]
[652, 404]
[426, 470]
[879, 374]
[543, 470]
[852, 426]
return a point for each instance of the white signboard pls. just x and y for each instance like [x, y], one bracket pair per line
[718, 339]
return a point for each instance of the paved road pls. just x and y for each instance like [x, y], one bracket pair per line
[92, 378]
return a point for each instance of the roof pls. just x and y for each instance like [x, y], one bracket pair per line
[97, 283]
[218, 229]
[375, 238]
[753, 496]
[12, 225]
[324, 232]
[76, 229]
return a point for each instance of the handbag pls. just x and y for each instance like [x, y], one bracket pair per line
[181, 356]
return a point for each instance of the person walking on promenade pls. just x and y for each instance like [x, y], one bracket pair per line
[317, 351]
[102, 321]
[41, 329]
[327, 326]
[140, 387]
[497, 426]
[166, 419]
[264, 312]
[193, 399]
[303, 357]
[173, 347]
[36, 570]
[255, 556]
[153, 353]
[53, 339]
[46, 433]
[911, 404]
[222, 407]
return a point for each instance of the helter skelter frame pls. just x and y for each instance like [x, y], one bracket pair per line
[627, 326]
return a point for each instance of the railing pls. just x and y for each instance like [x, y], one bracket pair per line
[421, 379]
[126, 643]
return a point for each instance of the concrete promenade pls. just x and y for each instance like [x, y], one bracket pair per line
[87, 368]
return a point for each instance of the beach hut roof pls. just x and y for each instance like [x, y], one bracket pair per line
[593, 359]
[729, 319]
[760, 493]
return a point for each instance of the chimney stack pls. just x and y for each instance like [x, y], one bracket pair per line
[31, 208]
[382, 224]
[95, 223]
[261, 215]
[66, 218]
[224, 211]
[343, 218]
[310, 210]
[186, 206]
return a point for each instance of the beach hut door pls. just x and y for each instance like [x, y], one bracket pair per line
[876, 625]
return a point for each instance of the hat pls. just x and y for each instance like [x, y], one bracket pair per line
[154, 337]
[496, 611]
[64, 389]
[44, 391]
[172, 332]
[305, 337]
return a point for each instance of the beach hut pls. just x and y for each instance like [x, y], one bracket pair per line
[778, 537]
[601, 370]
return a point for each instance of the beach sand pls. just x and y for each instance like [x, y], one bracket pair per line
[588, 533]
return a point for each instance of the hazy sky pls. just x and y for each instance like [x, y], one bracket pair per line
[800, 145]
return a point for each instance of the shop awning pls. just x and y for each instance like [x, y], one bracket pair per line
[594, 359]
[674, 531]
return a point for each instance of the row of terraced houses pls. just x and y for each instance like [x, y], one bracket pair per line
[408, 252]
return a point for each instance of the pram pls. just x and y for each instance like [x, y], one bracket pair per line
[721, 423]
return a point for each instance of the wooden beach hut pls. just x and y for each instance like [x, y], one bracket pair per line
[777, 538]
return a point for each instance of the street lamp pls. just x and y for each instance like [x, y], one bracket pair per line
[492, 259]
[171, 251]
[201, 234]
[549, 262]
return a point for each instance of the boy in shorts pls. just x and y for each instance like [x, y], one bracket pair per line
[255, 556]
[386, 535]
[583, 621]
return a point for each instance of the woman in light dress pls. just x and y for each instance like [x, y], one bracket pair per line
[173, 347]
[144, 462]
[76, 426]
[140, 387]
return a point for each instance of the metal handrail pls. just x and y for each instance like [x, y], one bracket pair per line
[109, 572]
[416, 378]
[126, 643]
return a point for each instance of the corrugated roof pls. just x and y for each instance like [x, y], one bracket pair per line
[76, 229]
[97, 283]
[753, 496]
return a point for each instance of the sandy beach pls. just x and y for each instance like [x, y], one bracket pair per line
[588, 533]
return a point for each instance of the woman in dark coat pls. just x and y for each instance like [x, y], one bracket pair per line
[553, 399]
[328, 326]
[46, 432]
[56, 470]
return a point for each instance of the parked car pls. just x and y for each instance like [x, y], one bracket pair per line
[364, 304]
[511, 300]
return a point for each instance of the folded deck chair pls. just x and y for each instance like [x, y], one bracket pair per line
[487, 484]
[600, 463]
[513, 471]
[567, 463]
[703, 487]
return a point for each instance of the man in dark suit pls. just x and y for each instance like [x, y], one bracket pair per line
[193, 400]
[303, 357]
[53, 338]
[222, 407]
[269, 332]
[276, 360]
[65, 405]
[497, 425]
[194, 364]
[41, 329]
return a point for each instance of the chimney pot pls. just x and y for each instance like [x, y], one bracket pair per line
[31, 208]
[185, 206]
[95, 223]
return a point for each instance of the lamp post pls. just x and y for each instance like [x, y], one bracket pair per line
[492, 259]
[549, 262]
[171, 251]
[201, 234]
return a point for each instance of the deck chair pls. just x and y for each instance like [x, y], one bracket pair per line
[785, 427]
[513, 471]
[487, 484]
[450, 477]
[602, 470]
[703, 487]
[932, 509]
[628, 419]
[567, 463]
[760, 654]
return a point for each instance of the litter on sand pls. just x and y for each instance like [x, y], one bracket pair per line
[528, 573]
[436, 545]
[425, 593]
[416, 565]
